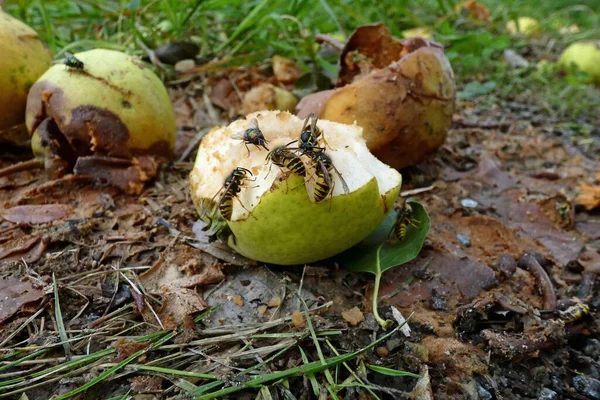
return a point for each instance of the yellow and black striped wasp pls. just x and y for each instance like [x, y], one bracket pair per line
[575, 312]
[324, 183]
[284, 158]
[310, 134]
[252, 135]
[403, 220]
[231, 187]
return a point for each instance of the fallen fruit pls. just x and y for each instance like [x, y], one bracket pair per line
[421, 31]
[526, 25]
[111, 119]
[273, 218]
[586, 55]
[24, 58]
[401, 92]
[268, 97]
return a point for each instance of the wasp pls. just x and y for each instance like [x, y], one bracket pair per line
[252, 135]
[574, 313]
[231, 187]
[403, 221]
[309, 136]
[73, 62]
[324, 183]
[284, 158]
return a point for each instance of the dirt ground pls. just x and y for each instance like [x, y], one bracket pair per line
[498, 292]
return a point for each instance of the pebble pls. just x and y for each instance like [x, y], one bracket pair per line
[469, 203]
[464, 240]
[437, 300]
[547, 394]
[587, 386]
[484, 394]
[506, 265]
[592, 349]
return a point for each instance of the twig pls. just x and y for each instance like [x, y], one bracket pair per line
[416, 191]
[34, 163]
[530, 263]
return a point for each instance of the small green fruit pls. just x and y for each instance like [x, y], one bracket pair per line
[421, 31]
[527, 26]
[23, 58]
[278, 222]
[586, 55]
[114, 107]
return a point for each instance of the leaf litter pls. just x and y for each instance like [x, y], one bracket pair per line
[135, 280]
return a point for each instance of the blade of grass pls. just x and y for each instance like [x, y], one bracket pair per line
[311, 377]
[60, 324]
[117, 367]
[250, 20]
[313, 367]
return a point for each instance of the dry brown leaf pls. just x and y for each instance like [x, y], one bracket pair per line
[146, 384]
[14, 294]
[174, 278]
[36, 214]
[589, 196]
[476, 10]
[29, 249]
[285, 70]
[353, 316]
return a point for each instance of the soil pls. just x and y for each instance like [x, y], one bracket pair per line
[498, 295]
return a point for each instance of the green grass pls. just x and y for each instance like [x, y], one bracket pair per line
[245, 33]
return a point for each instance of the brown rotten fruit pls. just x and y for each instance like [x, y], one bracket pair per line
[401, 92]
[109, 117]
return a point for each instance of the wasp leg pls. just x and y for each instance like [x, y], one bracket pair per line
[249, 212]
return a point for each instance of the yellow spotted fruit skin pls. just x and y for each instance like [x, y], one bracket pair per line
[116, 106]
[23, 58]
[586, 55]
[291, 229]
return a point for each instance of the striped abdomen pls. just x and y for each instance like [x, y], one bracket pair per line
[226, 205]
[295, 165]
[322, 186]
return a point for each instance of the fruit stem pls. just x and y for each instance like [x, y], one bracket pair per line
[385, 324]
[34, 163]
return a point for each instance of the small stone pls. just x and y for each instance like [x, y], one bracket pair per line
[262, 309]
[483, 393]
[469, 203]
[353, 316]
[185, 66]
[547, 394]
[275, 301]
[592, 349]
[464, 240]
[297, 318]
[237, 300]
[437, 300]
[587, 386]
[506, 265]
[382, 351]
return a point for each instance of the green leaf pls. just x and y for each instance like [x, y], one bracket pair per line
[390, 371]
[377, 253]
[475, 89]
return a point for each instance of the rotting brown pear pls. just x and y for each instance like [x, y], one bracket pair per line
[401, 92]
[23, 58]
[111, 119]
